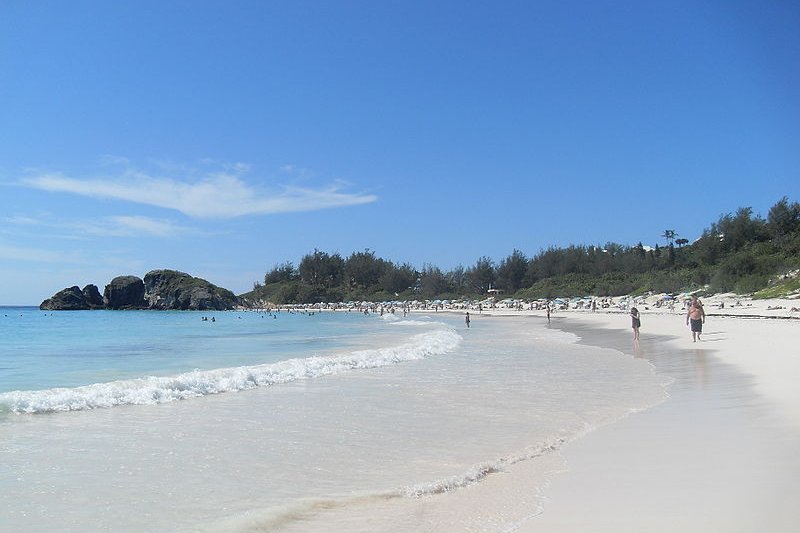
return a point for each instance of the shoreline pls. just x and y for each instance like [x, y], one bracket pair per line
[716, 455]
[719, 454]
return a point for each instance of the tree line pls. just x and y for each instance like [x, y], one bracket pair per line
[740, 252]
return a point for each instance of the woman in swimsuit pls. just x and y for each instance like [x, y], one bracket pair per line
[635, 323]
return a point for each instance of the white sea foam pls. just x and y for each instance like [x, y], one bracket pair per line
[154, 390]
[479, 472]
[406, 322]
[397, 321]
[309, 510]
[557, 336]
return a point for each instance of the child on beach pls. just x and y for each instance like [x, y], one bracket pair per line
[635, 323]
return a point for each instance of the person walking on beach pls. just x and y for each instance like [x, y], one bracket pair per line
[636, 323]
[695, 318]
[466, 319]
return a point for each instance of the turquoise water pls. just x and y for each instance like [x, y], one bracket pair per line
[79, 360]
[46, 349]
[160, 421]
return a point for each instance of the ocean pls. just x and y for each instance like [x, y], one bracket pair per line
[324, 421]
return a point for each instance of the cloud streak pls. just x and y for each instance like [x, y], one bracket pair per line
[19, 253]
[113, 226]
[132, 226]
[220, 195]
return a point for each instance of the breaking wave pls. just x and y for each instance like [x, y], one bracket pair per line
[154, 390]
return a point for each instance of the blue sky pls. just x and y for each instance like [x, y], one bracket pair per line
[221, 138]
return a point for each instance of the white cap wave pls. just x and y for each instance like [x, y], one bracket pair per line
[154, 390]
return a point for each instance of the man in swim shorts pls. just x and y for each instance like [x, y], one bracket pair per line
[695, 318]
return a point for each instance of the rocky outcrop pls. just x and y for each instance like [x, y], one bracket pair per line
[69, 299]
[160, 289]
[170, 289]
[125, 292]
[93, 297]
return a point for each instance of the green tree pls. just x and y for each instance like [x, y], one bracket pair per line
[397, 280]
[432, 281]
[319, 269]
[511, 271]
[282, 272]
[736, 231]
[547, 263]
[740, 251]
[481, 276]
[457, 280]
[364, 270]
[783, 218]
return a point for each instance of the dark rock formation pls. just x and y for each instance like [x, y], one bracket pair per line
[125, 292]
[161, 289]
[69, 299]
[170, 289]
[93, 297]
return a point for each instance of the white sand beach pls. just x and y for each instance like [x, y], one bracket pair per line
[521, 429]
[718, 455]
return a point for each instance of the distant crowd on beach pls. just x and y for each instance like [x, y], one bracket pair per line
[687, 304]
[592, 304]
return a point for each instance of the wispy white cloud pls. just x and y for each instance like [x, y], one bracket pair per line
[131, 226]
[157, 227]
[113, 226]
[19, 253]
[22, 220]
[216, 195]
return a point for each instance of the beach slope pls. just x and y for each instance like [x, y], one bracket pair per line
[718, 455]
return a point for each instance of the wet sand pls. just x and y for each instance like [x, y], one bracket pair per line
[719, 455]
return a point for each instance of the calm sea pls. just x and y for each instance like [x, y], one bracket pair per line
[245, 421]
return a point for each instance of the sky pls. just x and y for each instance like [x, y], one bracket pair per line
[222, 138]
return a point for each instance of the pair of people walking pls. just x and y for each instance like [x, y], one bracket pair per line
[695, 318]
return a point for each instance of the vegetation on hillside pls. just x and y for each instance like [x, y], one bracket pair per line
[741, 252]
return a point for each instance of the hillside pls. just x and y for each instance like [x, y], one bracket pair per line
[740, 252]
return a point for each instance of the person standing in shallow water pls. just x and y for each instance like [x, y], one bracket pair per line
[695, 318]
[466, 318]
[635, 323]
